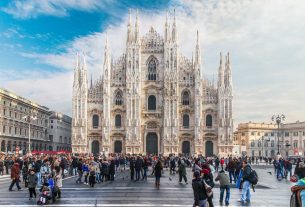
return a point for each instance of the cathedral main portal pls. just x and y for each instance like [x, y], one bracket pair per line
[152, 143]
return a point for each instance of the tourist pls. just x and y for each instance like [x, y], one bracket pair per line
[246, 195]
[32, 181]
[182, 171]
[200, 196]
[158, 173]
[224, 183]
[15, 176]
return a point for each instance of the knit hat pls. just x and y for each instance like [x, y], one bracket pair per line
[196, 174]
[205, 171]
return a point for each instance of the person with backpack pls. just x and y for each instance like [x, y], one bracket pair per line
[182, 171]
[245, 194]
[224, 183]
[158, 173]
[199, 190]
[207, 177]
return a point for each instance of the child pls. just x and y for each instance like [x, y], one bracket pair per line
[32, 180]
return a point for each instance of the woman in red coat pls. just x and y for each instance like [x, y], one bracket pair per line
[15, 176]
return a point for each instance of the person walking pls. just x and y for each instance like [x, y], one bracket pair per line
[15, 176]
[111, 170]
[138, 167]
[58, 181]
[182, 172]
[79, 171]
[224, 183]
[92, 175]
[246, 195]
[85, 169]
[145, 168]
[200, 194]
[1, 167]
[132, 165]
[32, 181]
[158, 173]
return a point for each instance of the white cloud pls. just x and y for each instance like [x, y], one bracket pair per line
[34, 8]
[265, 39]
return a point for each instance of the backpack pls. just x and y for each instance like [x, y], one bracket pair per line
[253, 178]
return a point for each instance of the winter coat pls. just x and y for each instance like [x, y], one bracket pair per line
[246, 172]
[112, 168]
[223, 179]
[158, 170]
[138, 164]
[15, 172]
[32, 180]
[104, 168]
[58, 180]
[199, 190]
[182, 169]
[1, 165]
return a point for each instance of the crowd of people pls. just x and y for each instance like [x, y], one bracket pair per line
[47, 172]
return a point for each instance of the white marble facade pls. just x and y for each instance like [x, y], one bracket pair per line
[153, 100]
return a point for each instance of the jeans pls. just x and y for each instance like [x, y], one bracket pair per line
[302, 194]
[232, 174]
[38, 174]
[74, 171]
[13, 183]
[245, 193]
[222, 190]
[80, 175]
[145, 174]
[138, 174]
[98, 177]
[279, 173]
[202, 203]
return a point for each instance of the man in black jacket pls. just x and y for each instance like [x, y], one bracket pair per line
[200, 196]
[245, 193]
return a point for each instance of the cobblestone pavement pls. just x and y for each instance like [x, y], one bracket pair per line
[123, 192]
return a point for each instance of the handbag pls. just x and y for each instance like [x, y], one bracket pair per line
[208, 189]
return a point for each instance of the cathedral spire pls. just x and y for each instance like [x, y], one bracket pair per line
[220, 72]
[137, 36]
[174, 32]
[166, 35]
[197, 52]
[76, 71]
[129, 28]
[91, 85]
[228, 72]
[107, 59]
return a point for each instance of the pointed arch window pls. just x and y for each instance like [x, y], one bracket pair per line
[186, 121]
[209, 120]
[152, 70]
[185, 98]
[95, 121]
[152, 102]
[118, 98]
[118, 121]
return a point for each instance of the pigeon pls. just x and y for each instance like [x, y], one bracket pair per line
[269, 173]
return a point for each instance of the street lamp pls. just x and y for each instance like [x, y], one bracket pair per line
[29, 119]
[263, 139]
[278, 119]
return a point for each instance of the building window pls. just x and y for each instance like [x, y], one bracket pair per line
[259, 144]
[152, 102]
[304, 133]
[186, 121]
[295, 143]
[243, 134]
[60, 139]
[51, 126]
[185, 98]
[119, 98]
[4, 112]
[152, 70]
[118, 121]
[272, 143]
[272, 134]
[295, 134]
[258, 134]
[266, 144]
[95, 121]
[252, 143]
[51, 121]
[3, 129]
[286, 134]
[209, 120]
[10, 130]
[252, 133]
[266, 134]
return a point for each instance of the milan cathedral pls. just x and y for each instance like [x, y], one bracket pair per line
[153, 100]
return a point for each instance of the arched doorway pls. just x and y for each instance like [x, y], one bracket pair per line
[186, 149]
[209, 148]
[118, 146]
[152, 143]
[95, 147]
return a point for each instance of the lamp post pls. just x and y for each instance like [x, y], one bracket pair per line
[263, 139]
[28, 119]
[278, 120]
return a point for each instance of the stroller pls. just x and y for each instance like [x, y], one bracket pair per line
[48, 192]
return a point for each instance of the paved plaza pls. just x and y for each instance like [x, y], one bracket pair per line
[123, 192]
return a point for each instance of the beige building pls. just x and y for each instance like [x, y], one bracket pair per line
[261, 139]
[14, 130]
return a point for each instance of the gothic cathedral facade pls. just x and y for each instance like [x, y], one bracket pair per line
[152, 100]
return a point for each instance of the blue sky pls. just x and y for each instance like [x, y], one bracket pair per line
[39, 39]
